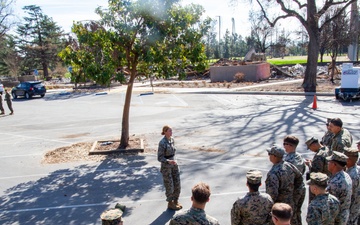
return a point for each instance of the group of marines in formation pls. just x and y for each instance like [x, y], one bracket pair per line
[333, 178]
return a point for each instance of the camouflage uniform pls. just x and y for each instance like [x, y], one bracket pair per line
[193, 216]
[323, 210]
[325, 207]
[254, 208]
[326, 139]
[284, 183]
[340, 186]
[8, 102]
[2, 111]
[319, 164]
[354, 173]
[297, 160]
[341, 140]
[170, 173]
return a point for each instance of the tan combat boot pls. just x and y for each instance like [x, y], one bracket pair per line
[172, 205]
[178, 205]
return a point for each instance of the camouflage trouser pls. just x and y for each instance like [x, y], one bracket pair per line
[1, 105]
[297, 207]
[9, 103]
[342, 217]
[353, 219]
[171, 178]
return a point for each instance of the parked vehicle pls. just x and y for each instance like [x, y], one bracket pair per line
[29, 89]
[350, 83]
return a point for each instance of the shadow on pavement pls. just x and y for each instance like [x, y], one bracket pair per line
[67, 95]
[71, 196]
[164, 217]
[245, 132]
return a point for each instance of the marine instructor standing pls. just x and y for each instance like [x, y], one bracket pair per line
[169, 168]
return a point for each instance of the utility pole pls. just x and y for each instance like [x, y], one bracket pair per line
[219, 35]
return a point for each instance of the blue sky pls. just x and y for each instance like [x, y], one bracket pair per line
[64, 12]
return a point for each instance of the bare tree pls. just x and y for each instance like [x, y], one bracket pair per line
[5, 14]
[340, 37]
[308, 13]
[261, 31]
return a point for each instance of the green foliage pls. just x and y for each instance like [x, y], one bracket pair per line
[9, 59]
[137, 39]
[67, 75]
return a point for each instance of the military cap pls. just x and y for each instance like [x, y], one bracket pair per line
[120, 206]
[253, 176]
[337, 156]
[319, 179]
[276, 151]
[351, 152]
[310, 141]
[111, 214]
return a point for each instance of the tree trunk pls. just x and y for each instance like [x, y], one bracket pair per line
[309, 83]
[126, 112]
[321, 56]
[333, 63]
[354, 27]
[46, 71]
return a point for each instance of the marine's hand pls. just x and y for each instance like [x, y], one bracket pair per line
[172, 162]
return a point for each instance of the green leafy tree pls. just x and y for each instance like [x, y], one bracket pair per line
[143, 37]
[76, 56]
[9, 58]
[39, 40]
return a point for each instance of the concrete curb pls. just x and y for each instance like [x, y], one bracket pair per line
[262, 93]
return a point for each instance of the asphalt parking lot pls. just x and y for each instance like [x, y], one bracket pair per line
[218, 136]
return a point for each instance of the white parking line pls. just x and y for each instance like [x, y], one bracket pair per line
[37, 138]
[13, 156]
[180, 100]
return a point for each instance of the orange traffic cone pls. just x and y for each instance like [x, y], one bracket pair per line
[314, 106]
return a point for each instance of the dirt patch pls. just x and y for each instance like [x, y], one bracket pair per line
[270, 85]
[134, 143]
[80, 152]
[323, 86]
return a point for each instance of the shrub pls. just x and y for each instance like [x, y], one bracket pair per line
[239, 77]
